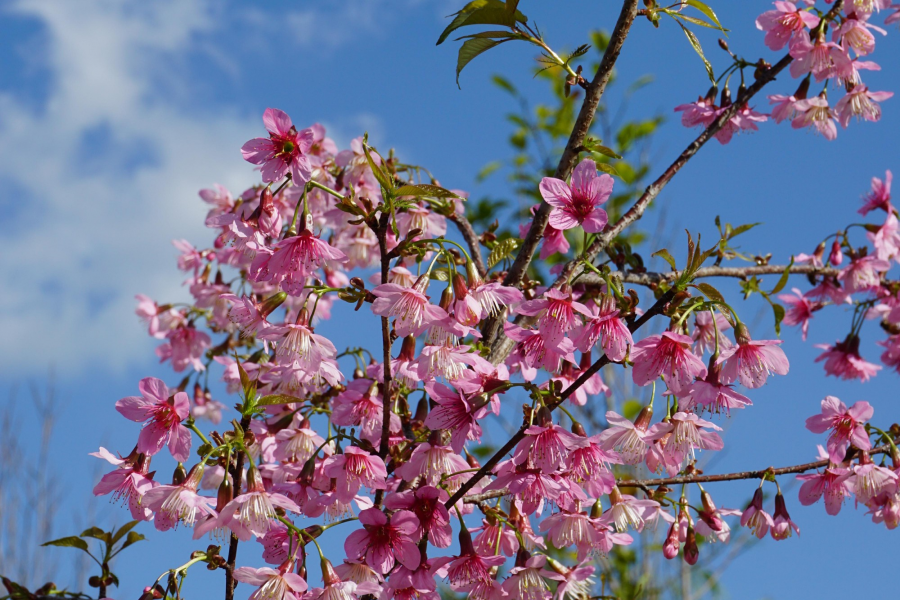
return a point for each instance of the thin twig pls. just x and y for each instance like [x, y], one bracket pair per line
[651, 278]
[468, 233]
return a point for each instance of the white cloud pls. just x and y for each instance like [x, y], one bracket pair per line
[110, 165]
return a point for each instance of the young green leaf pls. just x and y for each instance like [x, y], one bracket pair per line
[706, 10]
[472, 48]
[609, 169]
[779, 317]
[741, 229]
[97, 533]
[594, 145]
[133, 537]
[664, 254]
[782, 281]
[272, 399]
[424, 190]
[383, 180]
[695, 43]
[710, 292]
[123, 530]
[69, 542]
[502, 250]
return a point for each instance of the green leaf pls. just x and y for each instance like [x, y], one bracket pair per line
[699, 50]
[380, 175]
[487, 170]
[502, 250]
[482, 12]
[511, 5]
[741, 229]
[594, 145]
[97, 533]
[782, 281]
[696, 21]
[483, 451]
[711, 292]
[123, 530]
[472, 48]
[503, 83]
[272, 399]
[71, 541]
[609, 169]
[664, 254]
[706, 10]
[779, 316]
[133, 538]
[424, 190]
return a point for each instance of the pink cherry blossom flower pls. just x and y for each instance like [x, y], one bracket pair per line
[830, 483]
[566, 529]
[427, 503]
[815, 113]
[410, 306]
[887, 239]
[448, 362]
[751, 361]
[175, 504]
[128, 482]
[219, 198]
[160, 320]
[801, 310]
[578, 203]
[162, 413]
[698, 114]
[714, 396]
[829, 289]
[690, 433]
[573, 583]
[704, 334]
[384, 540]
[631, 440]
[432, 462]
[869, 480]
[860, 103]
[185, 347]
[668, 355]
[273, 584]
[627, 512]
[754, 517]
[846, 425]
[334, 589]
[880, 196]
[469, 567]
[495, 535]
[782, 524]
[253, 512]
[295, 259]
[588, 465]
[284, 151]
[456, 413]
[534, 353]
[856, 34]
[843, 360]
[604, 325]
[783, 109]
[821, 58]
[431, 224]
[891, 356]
[556, 315]
[783, 22]
[526, 582]
[894, 17]
[545, 446]
[353, 469]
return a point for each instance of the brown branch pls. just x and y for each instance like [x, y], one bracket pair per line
[385, 341]
[650, 483]
[236, 475]
[570, 153]
[650, 278]
[468, 233]
[656, 309]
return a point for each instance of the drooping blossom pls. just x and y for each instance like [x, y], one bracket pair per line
[162, 412]
[861, 103]
[295, 259]
[704, 334]
[384, 540]
[782, 523]
[409, 305]
[698, 114]
[843, 360]
[830, 483]
[869, 480]
[555, 313]
[578, 203]
[879, 196]
[690, 433]
[754, 517]
[801, 310]
[526, 582]
[714, 396]
[432, 461]
[533, 353]
[252, 513]
[427, 503]
[668, 355]
[630, 440]
[604, 325]
[846, 426]
[354, 469]
[820, 57]
[817, 114]
[273, 584]
[783, 22]
[545, 445]
[573, 583]
[174, 504]
[783, 107]
[469, 567]
[185, 346]
[626, 512]
[751, 361]
[128, 482]
[284, 151]
[456, 413]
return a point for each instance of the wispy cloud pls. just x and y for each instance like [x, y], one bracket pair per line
[98, 177]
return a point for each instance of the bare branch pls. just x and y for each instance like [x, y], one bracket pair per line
[650, 278]
[468, 233]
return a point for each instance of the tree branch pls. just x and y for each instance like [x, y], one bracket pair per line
[236, 475]
[468, 233]
[650, 278]
[570, 153]
[649, 483]
[656, 309]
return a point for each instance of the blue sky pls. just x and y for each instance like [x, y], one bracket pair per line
[113, 114]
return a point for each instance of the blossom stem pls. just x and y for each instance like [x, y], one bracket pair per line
[443, 241]
[292, 229]
[193, 427]
[183, 568]
[325, 188]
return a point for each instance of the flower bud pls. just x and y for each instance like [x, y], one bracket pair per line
[179, 475]
[803, 90]
[836, 257]
[741, 334]
[671, 545]
[271, 303]
[642, 422]
[225, 493]
[691, 551]
[472, 276]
